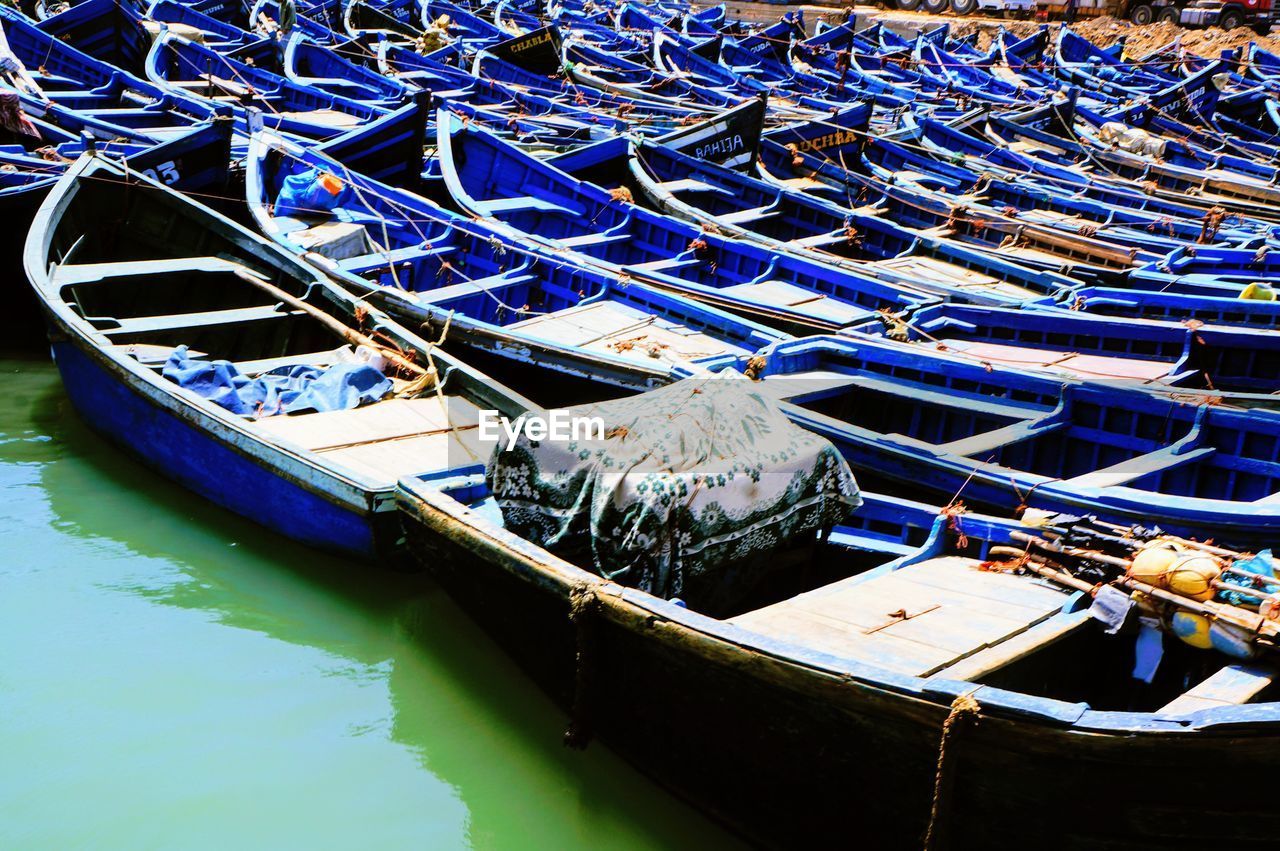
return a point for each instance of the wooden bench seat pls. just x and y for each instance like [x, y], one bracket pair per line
[692, 184]
[491, 283]
[754, 214]
[1231, 686]
[525, 202]
[1142, 465]
[175, 321]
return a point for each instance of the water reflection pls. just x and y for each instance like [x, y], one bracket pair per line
[160, 652]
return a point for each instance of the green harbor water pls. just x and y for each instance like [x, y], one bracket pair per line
[174, 676]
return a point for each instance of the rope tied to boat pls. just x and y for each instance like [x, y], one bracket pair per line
[964, 713]
[583, 602]
[953, 513]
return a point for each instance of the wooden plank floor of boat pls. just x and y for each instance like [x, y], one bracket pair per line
[916, 620]
[925, 271]
[389, 439]
[620, 329]
[1066, 363]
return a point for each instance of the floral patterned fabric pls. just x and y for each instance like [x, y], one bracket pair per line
[692, 489]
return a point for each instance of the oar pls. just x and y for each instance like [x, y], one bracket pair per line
[352, 336]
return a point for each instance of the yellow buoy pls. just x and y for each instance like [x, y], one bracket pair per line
[1191, 628]
[1258, 291]
[1192, 576]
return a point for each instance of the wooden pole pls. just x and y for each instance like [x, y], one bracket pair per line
[349, 334]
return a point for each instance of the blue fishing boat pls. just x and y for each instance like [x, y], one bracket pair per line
[238, 371]
[1007, 439]
[1187, 360]
[532, 200]
[901, 628]
[79, 93]
[936, 215]
[198, 162]
[317, 66]
[787, 220]
[481, 288]
[194, 71]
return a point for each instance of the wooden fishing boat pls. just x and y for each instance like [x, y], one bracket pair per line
[1223, 308]
[483, 289]
[109, 31]
[1004, 438]
[316, 66]
[786, 220]
[1187, 360]
[936, 215]
[1236, 192]
[195, 71]
[850, 674]
[189, 22]
[599, 69]
[1210, 270]
[639, 112]
[1145, 235]
[1021, 160]
[533, 200]
[140, 284]
[79, 93]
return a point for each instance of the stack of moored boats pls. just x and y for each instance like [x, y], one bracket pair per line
[297, 256]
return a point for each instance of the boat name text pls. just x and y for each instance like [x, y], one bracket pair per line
[844, 137]
[518, 46]
[720, 147]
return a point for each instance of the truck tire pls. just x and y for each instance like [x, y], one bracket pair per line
[1169, 13]
[963, 7]
[908, 5]
[934, 7]
[1142, 14]
[1231, 18]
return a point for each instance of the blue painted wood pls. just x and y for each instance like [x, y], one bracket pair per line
[185, 450]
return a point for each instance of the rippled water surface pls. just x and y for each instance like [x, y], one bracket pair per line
[171, 675]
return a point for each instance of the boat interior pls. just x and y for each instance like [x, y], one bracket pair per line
[173, 280]
[900, 590]
[451, 271]
[1034, 431]
[1074, 345]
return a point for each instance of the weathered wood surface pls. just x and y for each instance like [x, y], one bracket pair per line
[916, 620]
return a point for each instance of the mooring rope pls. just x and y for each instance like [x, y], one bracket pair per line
[964, 712]
[583, 603]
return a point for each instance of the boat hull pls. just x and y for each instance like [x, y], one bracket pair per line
[233, 477]
[793, 756]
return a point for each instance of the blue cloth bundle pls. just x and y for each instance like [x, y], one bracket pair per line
[284, 390]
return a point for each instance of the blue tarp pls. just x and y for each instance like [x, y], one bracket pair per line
[303, 195]
[284, 390]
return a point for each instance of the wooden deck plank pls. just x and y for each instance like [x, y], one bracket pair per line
[916, 620]
[831, 636]
[390, 419]
[989, 659]
[388, 461]
[957, 573]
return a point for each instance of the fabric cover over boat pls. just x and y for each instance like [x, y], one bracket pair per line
[691, 492]
[284, 390]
